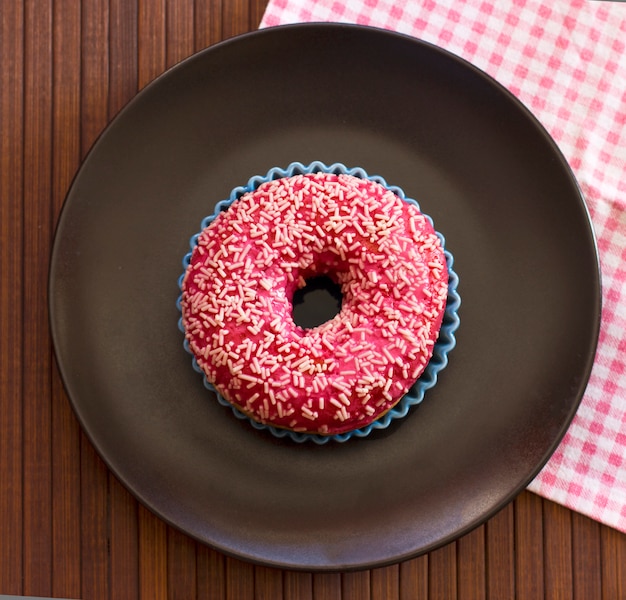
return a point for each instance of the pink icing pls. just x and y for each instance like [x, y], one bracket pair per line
[347, 372]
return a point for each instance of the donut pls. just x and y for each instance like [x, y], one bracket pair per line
[247, 263]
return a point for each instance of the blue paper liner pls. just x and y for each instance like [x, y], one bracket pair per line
[445, 343]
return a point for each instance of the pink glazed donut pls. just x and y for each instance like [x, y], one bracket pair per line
[237, 301]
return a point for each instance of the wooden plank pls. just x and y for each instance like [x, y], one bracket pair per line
[356, 585]
[182, 576]
[123, 526]
[37, 462]
[500, 555]
[122, 54]
[529, 558]
[66, 563]
[471, 571]
[586, 558]
[442, 572]
[239, 579]
[94, 533]
[207, 23]
[268, 583]
[297, 585]
[211, 573]
[557, 543]
[235, 18]
[414, 579]
[151, 50]
[385, 582]
[180, 41]
[94, 71]
[613, 556]
[152, 556]
[326, 586]
[257, 9]
[66, 534]
[11, 269]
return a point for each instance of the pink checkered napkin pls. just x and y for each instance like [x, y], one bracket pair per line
[566, 60]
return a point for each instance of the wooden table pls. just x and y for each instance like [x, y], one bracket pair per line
[68, 529]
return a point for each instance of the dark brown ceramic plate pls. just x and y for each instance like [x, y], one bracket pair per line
[479, 164]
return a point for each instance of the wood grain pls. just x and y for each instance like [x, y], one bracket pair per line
[297, 585]
[356, 585]
[268, 583]
[235, 18]
[239, 580]
[180, 33]
[211, 573]
[182, 574]
[471, 580]
[442, 573]
[586, 558]
[500, 555]
[37, 455]
[124, 542]
[11, 316]
[153, 583]
[385, 582]
[123, 71]
[529, 555]
[94, 535]
[414, 579]
[94, 71]
[557, 533]
[207, 23]
[327, 586]
[68, 527]
[151, 43]
[613, 558]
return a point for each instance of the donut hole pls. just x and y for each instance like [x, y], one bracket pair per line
[317, 302]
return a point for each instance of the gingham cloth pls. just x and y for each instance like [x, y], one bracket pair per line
[566, 60]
